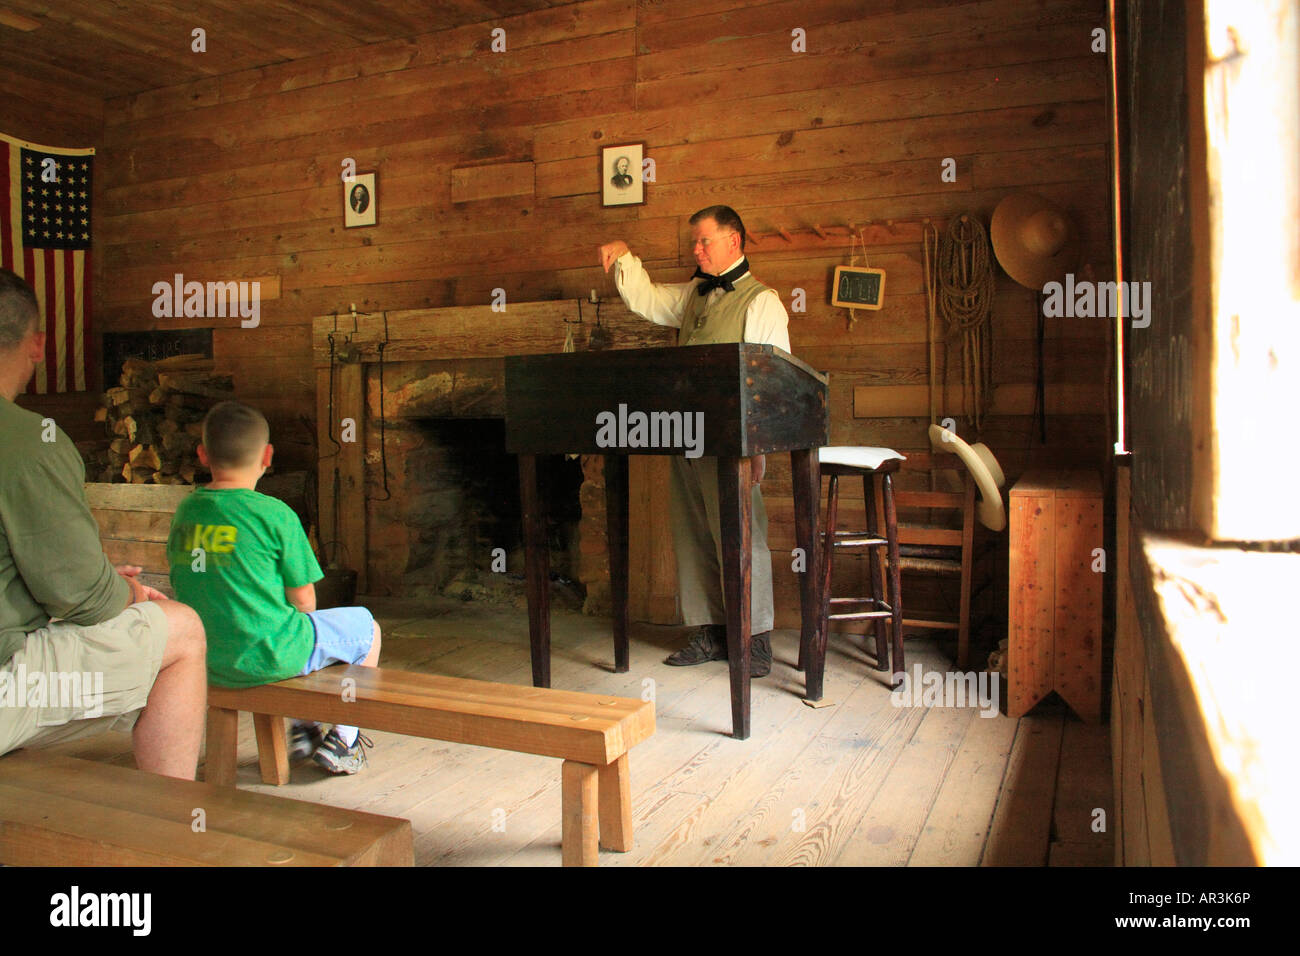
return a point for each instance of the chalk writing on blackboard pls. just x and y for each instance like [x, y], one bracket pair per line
[151, 346]
[858, 288]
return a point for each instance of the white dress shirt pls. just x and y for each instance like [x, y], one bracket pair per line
[766, 322]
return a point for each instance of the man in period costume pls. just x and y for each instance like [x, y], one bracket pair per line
[722, 302]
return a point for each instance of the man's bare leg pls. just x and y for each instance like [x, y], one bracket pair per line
[168, 733]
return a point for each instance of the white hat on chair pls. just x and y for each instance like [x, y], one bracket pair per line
[983, 467]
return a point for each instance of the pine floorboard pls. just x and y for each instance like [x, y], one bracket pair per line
[859, 782]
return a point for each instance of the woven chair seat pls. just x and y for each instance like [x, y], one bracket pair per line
[929, 565]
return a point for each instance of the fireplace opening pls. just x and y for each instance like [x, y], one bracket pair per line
[463, 514]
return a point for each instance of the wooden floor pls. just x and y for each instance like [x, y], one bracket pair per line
[859, 782]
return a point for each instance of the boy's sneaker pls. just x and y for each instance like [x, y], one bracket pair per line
[337, 757]
[304, 739]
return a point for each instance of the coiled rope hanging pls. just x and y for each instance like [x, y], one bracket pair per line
[964, 273]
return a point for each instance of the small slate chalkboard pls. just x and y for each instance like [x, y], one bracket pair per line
[151, 346]
[858, 288]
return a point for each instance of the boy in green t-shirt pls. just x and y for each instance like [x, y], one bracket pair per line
[241, 560]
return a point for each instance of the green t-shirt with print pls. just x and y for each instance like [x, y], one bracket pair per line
[232, 553]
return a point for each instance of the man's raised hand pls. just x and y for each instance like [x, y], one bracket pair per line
[610, 251]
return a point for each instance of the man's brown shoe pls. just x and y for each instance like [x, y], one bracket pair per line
[708, 643]
[760, 655]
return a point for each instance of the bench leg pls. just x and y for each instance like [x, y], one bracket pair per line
[272, 749]
[579, 836]
[219, 764]
[615, 806]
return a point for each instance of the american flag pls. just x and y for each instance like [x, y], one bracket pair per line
[45, 238]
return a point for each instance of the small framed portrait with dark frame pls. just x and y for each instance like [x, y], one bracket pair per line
[360, 201]
[620, 175]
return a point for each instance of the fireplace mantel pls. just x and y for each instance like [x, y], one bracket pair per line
[458, 337]
[478, 331]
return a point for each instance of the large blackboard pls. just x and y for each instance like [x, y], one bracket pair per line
[151, 346]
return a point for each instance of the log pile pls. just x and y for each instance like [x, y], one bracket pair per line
[154, 416]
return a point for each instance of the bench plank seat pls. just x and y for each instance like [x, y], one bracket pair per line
[591, 733]
[63, 811]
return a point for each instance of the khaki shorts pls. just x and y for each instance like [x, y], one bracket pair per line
[71, 680]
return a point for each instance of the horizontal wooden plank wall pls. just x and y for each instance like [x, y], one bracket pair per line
[487, 179]
[42, 110]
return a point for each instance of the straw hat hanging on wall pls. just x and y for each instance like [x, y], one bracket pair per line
[1034, 240]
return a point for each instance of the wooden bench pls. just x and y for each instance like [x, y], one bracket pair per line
[591, 733]
[61, 811]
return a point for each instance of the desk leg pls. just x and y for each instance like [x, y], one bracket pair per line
[807, 491]
[537, 570]
[616, 538]
[735, 507]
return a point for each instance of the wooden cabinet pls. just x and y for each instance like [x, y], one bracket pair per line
[1055, 602]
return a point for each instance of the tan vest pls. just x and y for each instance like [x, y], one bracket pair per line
[714, 320]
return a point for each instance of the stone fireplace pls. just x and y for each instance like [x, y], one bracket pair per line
[431, 418]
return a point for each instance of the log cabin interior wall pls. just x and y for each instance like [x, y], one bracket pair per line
[487, 163]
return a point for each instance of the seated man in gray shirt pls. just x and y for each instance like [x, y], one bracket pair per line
[84, 646]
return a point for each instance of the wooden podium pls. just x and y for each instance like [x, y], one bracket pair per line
[750, 399]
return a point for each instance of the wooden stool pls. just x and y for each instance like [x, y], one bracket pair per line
[873, 465]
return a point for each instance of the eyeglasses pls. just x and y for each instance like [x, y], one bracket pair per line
[709, 240]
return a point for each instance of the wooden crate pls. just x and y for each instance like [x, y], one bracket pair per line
[133, 525]
[1055, 603]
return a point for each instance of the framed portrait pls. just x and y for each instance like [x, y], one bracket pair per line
[620, 175]
[360, 201]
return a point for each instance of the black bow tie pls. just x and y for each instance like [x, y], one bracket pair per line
[724, 281]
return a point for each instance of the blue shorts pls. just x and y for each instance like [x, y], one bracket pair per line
[343, 636]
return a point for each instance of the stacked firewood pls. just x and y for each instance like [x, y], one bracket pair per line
[155, 419]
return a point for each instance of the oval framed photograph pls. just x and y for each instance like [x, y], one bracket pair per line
[360, 201]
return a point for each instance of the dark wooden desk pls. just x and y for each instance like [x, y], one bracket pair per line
[755, 400]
